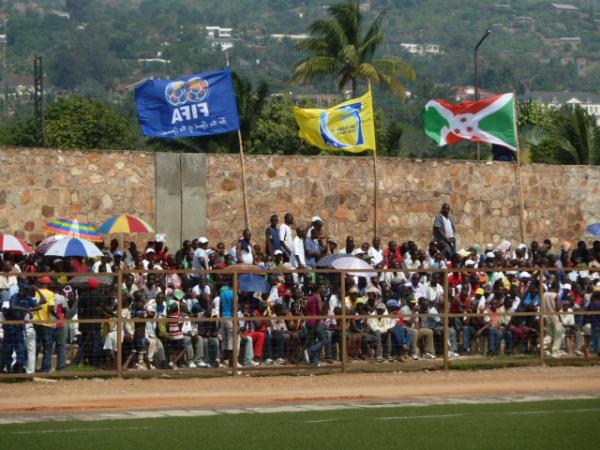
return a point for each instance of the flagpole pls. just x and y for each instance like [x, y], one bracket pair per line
[518, 173]
[244, 189]
[374, 176]
[242, 166]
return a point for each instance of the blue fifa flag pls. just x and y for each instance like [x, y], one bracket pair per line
[198, 105]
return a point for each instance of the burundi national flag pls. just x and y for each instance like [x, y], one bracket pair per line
[491, 120]
[348, 126]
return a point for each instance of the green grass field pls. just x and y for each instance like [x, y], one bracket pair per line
[532, 425]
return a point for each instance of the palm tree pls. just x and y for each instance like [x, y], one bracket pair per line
[576, 136]
[340, 48]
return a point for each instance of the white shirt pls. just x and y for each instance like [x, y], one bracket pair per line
[196, 290]
[96, 267]
[286, 236]
[376, 255]
[298, 249]
[199, 254]
[448, 231]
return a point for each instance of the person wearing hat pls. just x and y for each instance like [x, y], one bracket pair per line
[91, 297]
[118, 263]
[316, 224]
[381, 329]
[201, 254]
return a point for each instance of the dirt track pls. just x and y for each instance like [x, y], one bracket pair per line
[114, 394]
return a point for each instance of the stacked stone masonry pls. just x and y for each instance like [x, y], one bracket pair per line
[39, 185]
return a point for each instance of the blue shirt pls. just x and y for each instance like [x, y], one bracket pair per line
[23, 302]
[227, 302]
[311, 246]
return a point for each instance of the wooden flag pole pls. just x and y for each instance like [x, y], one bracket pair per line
[518, 174]
[244, 189]
[374, 177]
[242, 165]
[374, 193]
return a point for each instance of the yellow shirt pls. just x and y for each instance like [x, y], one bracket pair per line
[44, 313]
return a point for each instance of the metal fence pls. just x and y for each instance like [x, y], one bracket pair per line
[108, 330]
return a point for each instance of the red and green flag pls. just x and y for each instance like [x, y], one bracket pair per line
[491, 120]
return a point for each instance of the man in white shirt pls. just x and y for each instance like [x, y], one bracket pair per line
[298, 259]
[286, 235]
[200, 260]
[444, 231]
[376, 252]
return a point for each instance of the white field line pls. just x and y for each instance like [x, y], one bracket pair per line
[499, 413]
[77, 430]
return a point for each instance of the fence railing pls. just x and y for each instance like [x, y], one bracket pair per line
[105, 329]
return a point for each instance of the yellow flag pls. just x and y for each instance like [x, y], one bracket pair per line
[349, 126]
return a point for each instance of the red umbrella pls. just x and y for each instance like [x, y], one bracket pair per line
[12, 244]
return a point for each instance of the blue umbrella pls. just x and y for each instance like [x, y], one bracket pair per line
[73, 247]
[253, 283]
[594, 229]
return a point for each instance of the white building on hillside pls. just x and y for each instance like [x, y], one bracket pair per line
[587, 100]
[219, 37]
[421, 49]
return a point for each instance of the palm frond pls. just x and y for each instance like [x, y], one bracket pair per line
[373, 38]
[393, 85]
[349, 57]
[369, 72]
[314, 68]
[395, 67]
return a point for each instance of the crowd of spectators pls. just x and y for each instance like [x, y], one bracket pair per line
[394, 315]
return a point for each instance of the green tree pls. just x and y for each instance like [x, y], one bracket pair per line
[576, 136]
[77, 122]
[341, 48]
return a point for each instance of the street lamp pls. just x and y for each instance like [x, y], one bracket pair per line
[476, 67]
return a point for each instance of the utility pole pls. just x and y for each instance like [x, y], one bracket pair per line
[4, 42]
[38, 100]
[476, 75]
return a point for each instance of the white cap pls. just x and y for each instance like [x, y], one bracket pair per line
[595, 276]
[277, 252]
[316, 219]
[489, 246]
[524, 275]
[490, 255]
[566, 286]
[203, 240]
[469, 263]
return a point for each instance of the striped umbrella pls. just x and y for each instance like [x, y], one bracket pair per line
[125, 223]
[72, 227]
[12, 244]
[73, 247]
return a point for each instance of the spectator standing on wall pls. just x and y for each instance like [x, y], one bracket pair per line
[286, 236]
[272, 236]
[444, 230]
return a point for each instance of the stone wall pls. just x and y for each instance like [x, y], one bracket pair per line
[559, 200]
[39, 185]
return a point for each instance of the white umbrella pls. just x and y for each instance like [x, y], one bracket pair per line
[47, 243]
[353, 263]
[73, 247]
